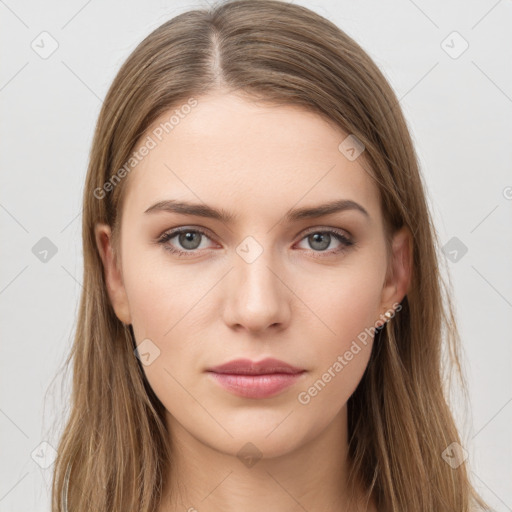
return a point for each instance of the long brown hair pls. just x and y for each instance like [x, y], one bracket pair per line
[114, 453]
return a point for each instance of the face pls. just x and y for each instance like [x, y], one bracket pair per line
[264, 282]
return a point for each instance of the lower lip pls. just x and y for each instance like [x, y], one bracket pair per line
[256, 386]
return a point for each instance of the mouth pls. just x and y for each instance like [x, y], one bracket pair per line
[262, 379]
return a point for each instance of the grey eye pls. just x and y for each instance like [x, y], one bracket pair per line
[186, 239]
[319, 241]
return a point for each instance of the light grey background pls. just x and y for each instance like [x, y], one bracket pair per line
[460, 114]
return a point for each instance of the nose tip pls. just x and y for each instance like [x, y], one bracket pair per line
[258, 301]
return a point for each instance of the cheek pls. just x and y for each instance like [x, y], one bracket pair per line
[163, 307]
[168, 305]
[329, 389]
[346, 302]
[162, 296]
[348, 309]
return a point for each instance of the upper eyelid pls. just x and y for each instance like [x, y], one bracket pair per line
[326, 228]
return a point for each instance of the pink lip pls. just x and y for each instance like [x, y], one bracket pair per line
[260, 379]
[248, 367]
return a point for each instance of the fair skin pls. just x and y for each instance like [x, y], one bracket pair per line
[212, 305]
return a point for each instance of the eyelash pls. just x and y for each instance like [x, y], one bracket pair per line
[346, 242]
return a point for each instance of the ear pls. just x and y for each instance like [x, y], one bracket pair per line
[398, 278]
[113, 276]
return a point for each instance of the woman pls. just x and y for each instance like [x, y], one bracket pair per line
[262, 317]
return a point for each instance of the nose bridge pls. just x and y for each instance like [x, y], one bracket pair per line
[258, 297]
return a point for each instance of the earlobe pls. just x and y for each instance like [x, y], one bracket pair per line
[400, 273]
[113, 276]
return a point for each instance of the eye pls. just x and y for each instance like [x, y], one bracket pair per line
[320, 240]
[190, 239]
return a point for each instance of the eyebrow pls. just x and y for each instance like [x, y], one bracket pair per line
[203, 210]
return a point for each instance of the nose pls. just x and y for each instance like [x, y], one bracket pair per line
[256, 297]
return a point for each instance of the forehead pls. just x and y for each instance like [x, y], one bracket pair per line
[232, 153]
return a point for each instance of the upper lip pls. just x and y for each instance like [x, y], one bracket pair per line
[248, 367]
